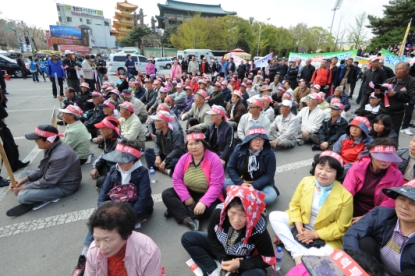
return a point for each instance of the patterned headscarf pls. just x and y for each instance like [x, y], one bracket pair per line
[252, 202]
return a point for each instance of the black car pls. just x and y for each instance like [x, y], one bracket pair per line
[11, 67]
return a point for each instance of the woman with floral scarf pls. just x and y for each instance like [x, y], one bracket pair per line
[237, 240]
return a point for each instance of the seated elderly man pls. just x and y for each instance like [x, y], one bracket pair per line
[331, 129]
[310, 117]
[71, 98]
[130, 125]
[183, 107]
[253, 117]
[139, 107]
[235, 109]
[198, 118]
[168, 145]
[58, 175]
[343, 97]
[110, 133]
[219, 134]
[96, 114]
[284, 128]
[76, 135]
[159, 100]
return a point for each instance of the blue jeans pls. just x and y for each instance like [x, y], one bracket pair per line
[88, 239]
[198, 246]
[360, 94]
[269, 191]
[35, 76]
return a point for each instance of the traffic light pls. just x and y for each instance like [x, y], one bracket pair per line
[27, 40]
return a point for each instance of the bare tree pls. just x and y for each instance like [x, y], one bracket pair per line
[357, 32]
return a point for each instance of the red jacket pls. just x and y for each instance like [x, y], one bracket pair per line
[322, 77]
[355, 179]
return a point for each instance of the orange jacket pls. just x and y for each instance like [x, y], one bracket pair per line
[322, 77]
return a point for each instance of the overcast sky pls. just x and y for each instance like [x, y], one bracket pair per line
[281, 13]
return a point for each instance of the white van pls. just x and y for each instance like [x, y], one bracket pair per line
[117, 62]
[199, 54]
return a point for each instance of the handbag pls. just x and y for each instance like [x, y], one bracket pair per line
[316, 243]
[123, 193]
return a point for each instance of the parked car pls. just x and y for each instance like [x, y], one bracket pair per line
[11, 67]
[116, 62]
[164, 62]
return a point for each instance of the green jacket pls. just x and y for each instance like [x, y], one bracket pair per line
[78, 138]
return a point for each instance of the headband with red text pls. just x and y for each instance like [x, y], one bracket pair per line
[334, 155]
[383, 149]
[128, 150]
[256, 131]
[195, 136]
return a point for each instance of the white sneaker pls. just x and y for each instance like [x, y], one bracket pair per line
[407, 131]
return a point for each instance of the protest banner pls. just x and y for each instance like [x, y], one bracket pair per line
[262, 62]
[317, 57]
[390, 59]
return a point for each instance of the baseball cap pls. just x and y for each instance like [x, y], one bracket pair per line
[109, 122]
[203, 94]
[257, 103]
[72, 109]
[122, 154]
[110, 104]
[42, 131]
[237, 93]
[337, 106]
[315, 96]
[127, 106]
[385, 153]
[67, 52]
[407, 190]
[217, 110]
[287, 103]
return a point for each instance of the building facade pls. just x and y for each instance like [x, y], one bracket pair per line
[124, 19]
[176, 12]
[98, 27]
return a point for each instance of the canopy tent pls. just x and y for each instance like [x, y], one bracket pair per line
[239, 53]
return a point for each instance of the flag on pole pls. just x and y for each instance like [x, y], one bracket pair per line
[402, 49]
[263, 62]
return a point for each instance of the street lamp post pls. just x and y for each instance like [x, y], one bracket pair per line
[259, 37]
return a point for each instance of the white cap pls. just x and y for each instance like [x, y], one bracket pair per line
[287, 103]
[67, 52]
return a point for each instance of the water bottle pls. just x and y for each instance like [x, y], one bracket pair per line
[152, 175]
[278, 255]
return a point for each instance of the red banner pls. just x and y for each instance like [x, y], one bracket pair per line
[76, 49]
[49, 38]
[62, 41]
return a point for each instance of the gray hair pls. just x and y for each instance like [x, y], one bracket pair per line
[403, 62]
[340, 88]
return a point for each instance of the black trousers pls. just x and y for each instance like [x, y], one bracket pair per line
[91, 83]
[397, 119]
[10, 148]
[409, 109]
[74, 83]
[93, 131]
[55, 89]
[352, 86]
[364, 101]
[23, 70]
[179, 210]
[2, 82]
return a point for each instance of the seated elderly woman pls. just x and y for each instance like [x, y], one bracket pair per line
[197, 183]
[388, 234]
[253, 164]
[237, 238]
[319, 213]
[127, 181]
[382, 127]
[370, 174]
[117, 249]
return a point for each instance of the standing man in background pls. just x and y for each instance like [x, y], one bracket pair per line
[70, 67]
[55, 71]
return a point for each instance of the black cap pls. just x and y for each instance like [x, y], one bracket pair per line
[405, 191]
[48, 128]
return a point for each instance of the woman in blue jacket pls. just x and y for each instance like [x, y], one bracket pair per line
[43, 63]
[33, 70]
[388, 234]
[253, 163]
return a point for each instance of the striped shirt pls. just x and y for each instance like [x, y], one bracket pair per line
[195, 179]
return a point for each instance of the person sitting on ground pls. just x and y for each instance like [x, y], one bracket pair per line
[284, 128]
[110, 109]
[76, 135]
[117, 249]
[327, 111]
[253, 118]
[387, 234]
[151, 130]
[139, 107]
[319, 213]
[58, 175]
[372, 108]
[382, 128]
[122, 83]
[351, 144]
[217, 96]
[150, 95]
[237, 238]
[96, 114]
[139, 90]
[86, 96]
[114, 96]
[185, 106]
[322, 103]
[198, 118]
[71, 98]
[162, 94]
[343, 97]
[331, 129]
[268, 110]
[219, 134]
[168, 144]
[253, 164]
[407, 166]
[300, 92]
[235, 109]
[370, 174]
[110, 132]
[310, 118]
[197, 183]
[180, 95]
[227, 93]
[130, 125]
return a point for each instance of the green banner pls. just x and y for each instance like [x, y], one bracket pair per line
[391, 60]
[317, 57]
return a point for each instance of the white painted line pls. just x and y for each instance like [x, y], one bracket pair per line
[19, 138]
[28, 110]
[32, 155]
[3, 192]
[293, 166]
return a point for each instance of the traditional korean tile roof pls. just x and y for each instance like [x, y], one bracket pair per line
[193, 7]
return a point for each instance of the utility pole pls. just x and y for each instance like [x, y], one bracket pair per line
[336, 7]
[18, 37]
[141, 18]
[135, 20]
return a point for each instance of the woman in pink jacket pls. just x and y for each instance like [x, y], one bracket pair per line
[197, 184]
[370, 174]
[150, 68]
[176, 71]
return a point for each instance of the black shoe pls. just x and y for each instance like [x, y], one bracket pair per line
[54, 96]
[412, 125]
[19, 210]
[315, 147]
[4, 182]
[80, 266]
[193, 224]
[22, 164]
[6, 93]
[167, 214]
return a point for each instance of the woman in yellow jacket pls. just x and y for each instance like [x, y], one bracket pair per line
[320, 211]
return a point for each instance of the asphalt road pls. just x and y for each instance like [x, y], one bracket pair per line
[49, 241]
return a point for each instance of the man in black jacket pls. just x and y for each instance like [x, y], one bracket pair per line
[373, 75]
[335, 71]
[70, 67]
[388, 71]
[71, 99]
[231, 66]
[348, 75]
[241, 71]
[21, 65]
[101, 68]
[95, 115]
[168, 145]
[331, 129]
[307, 71]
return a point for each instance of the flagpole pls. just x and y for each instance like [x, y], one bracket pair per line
[402, 49]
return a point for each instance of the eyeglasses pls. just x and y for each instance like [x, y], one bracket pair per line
[258, 140]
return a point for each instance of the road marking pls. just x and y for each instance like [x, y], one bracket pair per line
[29, 110]
[19, 138]
[28, 226]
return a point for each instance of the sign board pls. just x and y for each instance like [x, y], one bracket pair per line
[85, 12]
[69, 35]
[48, 38]
[76, 49]
[8, 28]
